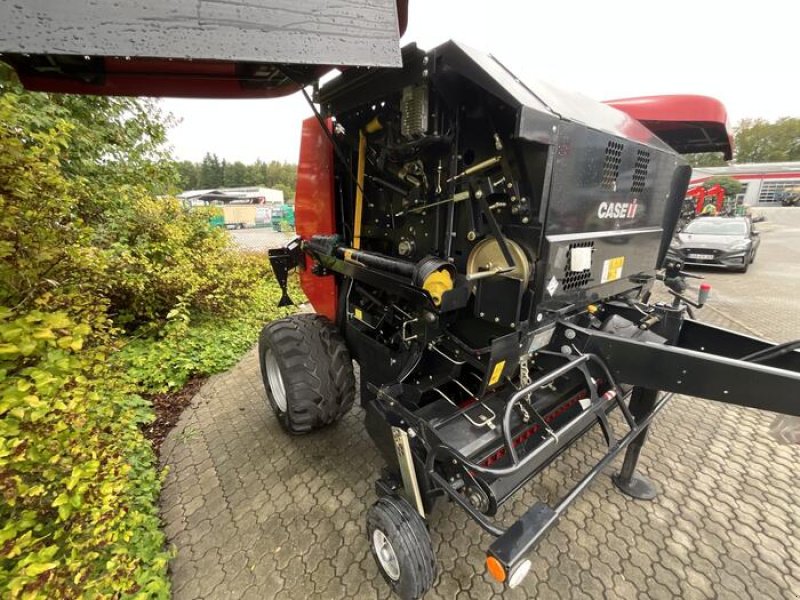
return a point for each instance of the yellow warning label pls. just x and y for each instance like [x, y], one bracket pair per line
[358, 314]
[612, 269]
[497, 372]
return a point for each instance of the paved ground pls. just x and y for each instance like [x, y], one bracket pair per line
[259, 238]
[256, 514]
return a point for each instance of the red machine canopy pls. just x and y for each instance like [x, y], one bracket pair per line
[687, 123]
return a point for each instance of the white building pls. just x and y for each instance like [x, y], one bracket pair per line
[764, 183]
[240, 195]
[241, 207]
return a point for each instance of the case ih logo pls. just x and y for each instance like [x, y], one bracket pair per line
[617, 210]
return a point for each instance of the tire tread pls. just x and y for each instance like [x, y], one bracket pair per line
[316, 368]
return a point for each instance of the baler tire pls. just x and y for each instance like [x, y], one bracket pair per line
[313, 367]
[410, 545]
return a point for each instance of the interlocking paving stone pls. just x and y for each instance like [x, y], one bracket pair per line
[254, 513]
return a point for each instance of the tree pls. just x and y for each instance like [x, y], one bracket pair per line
[215, 173]
[188, 176]
[211, 174]
[731, 186]
[109, 143]
[706, 159]
[236, 174]
[758, 140]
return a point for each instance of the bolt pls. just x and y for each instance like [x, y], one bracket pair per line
[509, 185]
[539, 318]
[569, 334]
[425, 73]
[471, 235]
[482, 314]
[525, 220]
[478, 194]
[497, 319]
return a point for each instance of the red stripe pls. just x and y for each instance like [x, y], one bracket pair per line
[794, 175]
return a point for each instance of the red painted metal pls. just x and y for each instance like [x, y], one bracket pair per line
[315, 211]
[748, 176]
[160, 77]
[700, 194]
[688, 123]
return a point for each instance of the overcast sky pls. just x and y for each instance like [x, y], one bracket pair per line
[743, 53]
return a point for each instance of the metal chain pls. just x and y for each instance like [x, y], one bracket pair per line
[524, 379]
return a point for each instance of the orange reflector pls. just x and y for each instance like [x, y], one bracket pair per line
[495, 569]
[592, 308]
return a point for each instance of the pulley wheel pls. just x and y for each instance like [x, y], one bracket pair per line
[487, 255]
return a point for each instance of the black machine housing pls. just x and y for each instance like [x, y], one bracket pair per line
[495, 252]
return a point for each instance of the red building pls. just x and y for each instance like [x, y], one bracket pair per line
[765, 184]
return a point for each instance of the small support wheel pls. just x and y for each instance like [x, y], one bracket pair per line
[401, 546]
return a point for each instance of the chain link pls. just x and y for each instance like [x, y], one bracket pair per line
[524, 380]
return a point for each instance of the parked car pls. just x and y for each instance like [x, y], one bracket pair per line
[727, 242]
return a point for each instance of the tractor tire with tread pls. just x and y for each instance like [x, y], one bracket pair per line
[409, 563]
[307, 372]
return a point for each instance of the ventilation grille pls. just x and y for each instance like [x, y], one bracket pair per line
[575, 279]
[640, 170]
[611, 166]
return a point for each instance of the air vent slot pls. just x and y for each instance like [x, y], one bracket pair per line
[640, 170]
[611, 166]
[576, 279]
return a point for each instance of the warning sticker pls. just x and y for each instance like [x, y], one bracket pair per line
[612, 269]
[552, 286]
[496, 372]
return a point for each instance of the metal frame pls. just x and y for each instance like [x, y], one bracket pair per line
[613, 356]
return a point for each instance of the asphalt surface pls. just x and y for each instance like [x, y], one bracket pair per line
[254, 513]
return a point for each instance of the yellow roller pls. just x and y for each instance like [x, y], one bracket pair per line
[362, 159]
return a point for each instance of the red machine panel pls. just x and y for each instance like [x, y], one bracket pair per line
[688, 123]
[314, 210]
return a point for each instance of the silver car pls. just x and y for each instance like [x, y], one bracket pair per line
[727, 242]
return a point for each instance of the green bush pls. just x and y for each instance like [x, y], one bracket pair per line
[202, 344]
[78, 481]
[108, 288]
